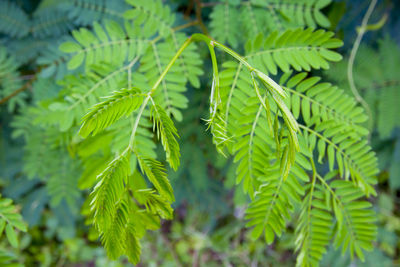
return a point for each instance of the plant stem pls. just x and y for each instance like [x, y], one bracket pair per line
[198, 16]
[16, 92]
[353, 56]
[184, 26]
[208, 40]
[135, 126]
[195, 37]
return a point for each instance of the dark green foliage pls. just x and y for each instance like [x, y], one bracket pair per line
[84, 12]
[9, 79]
[13, 20]
[376, 76]
[240, 21]
[50, 21]
[108, 44]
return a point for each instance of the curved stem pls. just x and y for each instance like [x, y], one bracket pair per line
[195, 37]
[353, 53]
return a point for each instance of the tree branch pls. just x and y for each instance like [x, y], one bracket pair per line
[16, 92]
[198, 16]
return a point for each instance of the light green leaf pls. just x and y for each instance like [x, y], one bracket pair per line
[11, 236]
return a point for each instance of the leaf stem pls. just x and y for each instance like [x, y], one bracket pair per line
[353, 53]
[198, 16]
[194, 38]
[16, 92]
[135, 126]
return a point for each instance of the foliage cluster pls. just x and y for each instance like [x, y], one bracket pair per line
[110, 141]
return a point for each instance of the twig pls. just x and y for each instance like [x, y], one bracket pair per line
[16, 92]
[189, 9]
[353, 53]
[26, 77]
[184, 26]
[198, 16]
[210, 4]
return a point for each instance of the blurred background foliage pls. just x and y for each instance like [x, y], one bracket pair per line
[208, 227]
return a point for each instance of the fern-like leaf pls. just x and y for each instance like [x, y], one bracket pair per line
[355, 228]
[314, 229]
[168, 134]
[133, 247]
[153, 16]
[84, 12]
[272, 205]
[121, 103]
[238, 22]
[114, 233]
[297, 49]
[13, 20]
[9, 80]
[62, 185]
[108, 191]
[225, 24]
[50, 22]
[154, 203]
[10, 220]
[155, 172]
[109, 44]
[332, 128]
[295, 13]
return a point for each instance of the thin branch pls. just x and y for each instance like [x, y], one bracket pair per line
[16, 92]
[198, 16]
[385, 84]
[353, 53]
[211, 4]
[184, 26]
[189, 9]
[27, 77]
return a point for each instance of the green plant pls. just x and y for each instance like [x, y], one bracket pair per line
[10, 220]
[266, 133]
[299, 145]
[380, 91]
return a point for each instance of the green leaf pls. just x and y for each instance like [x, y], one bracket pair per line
[2, 225]
[331, 157]
[133, 247]
[168, 133]
[108, 191]
[69, 47]
[11, 236]
[330, 55]
[76, 61]
[321, 150]
[120, 103]
[155, 172]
